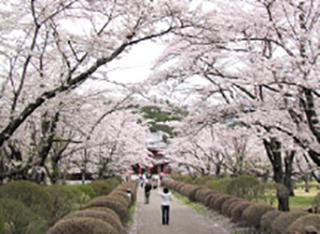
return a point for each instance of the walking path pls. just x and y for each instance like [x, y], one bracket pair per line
[183, 220]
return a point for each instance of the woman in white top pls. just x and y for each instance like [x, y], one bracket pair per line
[166, 197]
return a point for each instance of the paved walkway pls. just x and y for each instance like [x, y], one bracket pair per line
[183, 220]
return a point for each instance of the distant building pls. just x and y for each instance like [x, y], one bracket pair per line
[158, 162]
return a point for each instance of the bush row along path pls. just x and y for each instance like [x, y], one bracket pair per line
[183, 220]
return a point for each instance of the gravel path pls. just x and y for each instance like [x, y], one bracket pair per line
[183, 220]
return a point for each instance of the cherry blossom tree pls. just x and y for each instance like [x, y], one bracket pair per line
[216, 147]
[49, 49]
[56, 46]
[258, 61]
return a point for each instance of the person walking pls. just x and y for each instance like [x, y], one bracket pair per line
[166, 197]
[147, 191]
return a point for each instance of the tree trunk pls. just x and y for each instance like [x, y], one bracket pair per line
[218, 170]
[306, 184]
[273, 148]
[83, 176]
[283, 203]
[55, 172]
[288, 171]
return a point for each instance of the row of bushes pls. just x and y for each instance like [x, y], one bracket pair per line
[27, 207]
[246, 187]
[106, 214]
[263, 218]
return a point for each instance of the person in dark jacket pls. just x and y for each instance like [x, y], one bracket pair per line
[147, 191]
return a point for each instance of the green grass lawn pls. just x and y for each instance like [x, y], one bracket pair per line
[301, 200]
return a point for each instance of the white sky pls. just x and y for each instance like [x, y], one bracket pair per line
[136, 66]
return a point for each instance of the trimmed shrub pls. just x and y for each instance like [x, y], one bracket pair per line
[251, 217]
[233, 205]
[86, 189]
[202, 193]
[116, 206]
[82, 225]
[179, 177]
[218, 202]
[226, 205]
[106, 210]
[219, 185]
[168, 183]
[178, 186]
[84, 193]
[120, 197]
[18, 218]
[121, 194]
[129, 185]
[204, 179]
[30, 194]
[245, 187]
[284, 220]
[1, 220]
[63, 200]
[267, 219]
[113, 182]
[210, 196]
[304, 222]
[236, 211]
[101, 187]
[189, 180]
[192, 192]
[109, 217]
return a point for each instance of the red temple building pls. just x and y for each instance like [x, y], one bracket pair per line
[158, 164]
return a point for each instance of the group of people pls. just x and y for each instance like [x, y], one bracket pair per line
[165, 195]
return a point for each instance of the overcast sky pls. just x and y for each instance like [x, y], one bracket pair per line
[135, 66]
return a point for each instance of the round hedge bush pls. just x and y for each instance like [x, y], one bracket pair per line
[267, 219]
[31, 194]
[309, 220]
[82, 225]
[116, 206]
[227, 204]
[121, 196]
[18, 218]
[132, 186]
[101, 187]
[168, 183]
[244, 187]
[178, 186]
[123, 200]
[106, 210]
[210, 196]
[220, 200]
[251, 217]
[83, 193]
[114, 182]
[236, 211]
[192, 192]
[63, 200]
[284, 220]
[86, 189]
[219, 185]
[109, 217]
[202, 193]
[204, 180]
